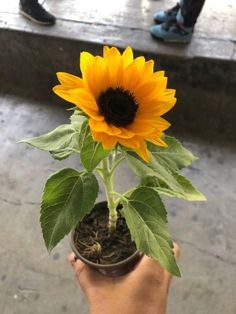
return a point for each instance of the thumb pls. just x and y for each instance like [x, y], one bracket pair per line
[86, 276]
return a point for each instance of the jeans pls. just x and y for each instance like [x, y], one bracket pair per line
[26, 2]
[190, 10]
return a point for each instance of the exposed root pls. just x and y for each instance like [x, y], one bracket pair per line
[94, 249]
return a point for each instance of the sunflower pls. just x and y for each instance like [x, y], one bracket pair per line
[123, 98]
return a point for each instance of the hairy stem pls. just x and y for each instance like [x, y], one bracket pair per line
[108, 183]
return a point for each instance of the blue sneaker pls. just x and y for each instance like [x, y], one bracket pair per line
[172, 32]
[167, 16]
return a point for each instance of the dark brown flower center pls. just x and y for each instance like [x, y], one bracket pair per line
[118, 106]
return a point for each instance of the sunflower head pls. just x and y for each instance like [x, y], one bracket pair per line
[123, 97]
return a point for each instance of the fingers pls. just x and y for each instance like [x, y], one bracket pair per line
[176, 250]
[72, 258]
[77, 265]
[168, 275]
[149, 266]
[148, 262]
[86, 276]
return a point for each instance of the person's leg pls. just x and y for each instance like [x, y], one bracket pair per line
[190, 10]
[181, 29]
[32, 10]
[24, 2]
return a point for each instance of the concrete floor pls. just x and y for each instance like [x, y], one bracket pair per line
[31, 281]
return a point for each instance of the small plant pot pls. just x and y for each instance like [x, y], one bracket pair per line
[119, 268]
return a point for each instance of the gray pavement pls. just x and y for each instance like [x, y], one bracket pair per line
[31, 281]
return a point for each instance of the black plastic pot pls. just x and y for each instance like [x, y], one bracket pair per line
[112, 270]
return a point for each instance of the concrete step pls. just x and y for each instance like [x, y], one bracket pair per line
[203, 72]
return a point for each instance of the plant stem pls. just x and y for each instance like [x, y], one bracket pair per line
[116, 164]
[122, 196]
[108, 183]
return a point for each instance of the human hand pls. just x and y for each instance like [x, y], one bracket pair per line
[144, 290]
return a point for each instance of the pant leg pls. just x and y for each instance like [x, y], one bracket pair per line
[190, 10]
[26, 2]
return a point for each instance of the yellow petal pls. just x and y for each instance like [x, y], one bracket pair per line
[91, 113]
[127, 57]
[158, 142]
[125, 133]
[142, 127]
[162, 124]
[165, 105]
[132, 74]
[159, 88]
[130, 143]
[87, 105]
[108, 142]
[86, 63]
[110, 52]
[170, 93]
[148, 112]
[97, 76]
[148, 68]
[84, 97]
[145, 90]
[102, 126]
[114, 63]
[69, 80]
[155, 108]
[63, 92]
[159, 74]
[142, 151]
[155, 138]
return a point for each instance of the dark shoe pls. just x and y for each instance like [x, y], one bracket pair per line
[168, 15]
[37, 14]
[172, 32]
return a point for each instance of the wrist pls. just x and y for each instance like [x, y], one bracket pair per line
[128, 308]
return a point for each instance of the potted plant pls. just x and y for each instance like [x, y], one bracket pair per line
[117, 117]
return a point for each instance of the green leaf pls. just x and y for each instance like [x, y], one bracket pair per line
[175, 183]
[145, 216]
[62, 139]
[61, 154]
[54, 140]
[77, 119]
[92, 153]
[74, 108]
[187, 192]
[175, 156]
[82, 134]
[67, 197]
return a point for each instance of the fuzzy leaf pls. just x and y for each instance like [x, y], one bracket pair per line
[173, 182]
[60, 142]
[67, 197]
[77, 119]
[145, 216]
[175, 155]
[187, 192]
[61, 154]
